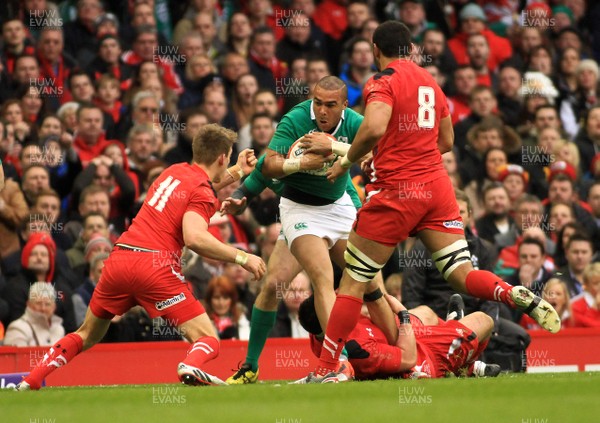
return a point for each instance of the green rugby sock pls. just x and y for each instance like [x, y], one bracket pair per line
[261, 324]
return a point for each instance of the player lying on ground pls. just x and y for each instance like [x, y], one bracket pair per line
[427, 346]
[410, 194]
[282, 268]
[144, 267]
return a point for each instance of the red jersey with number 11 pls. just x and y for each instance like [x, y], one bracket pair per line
[408, 150]
[179, 189]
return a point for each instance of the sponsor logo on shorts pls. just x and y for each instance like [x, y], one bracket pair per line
[300, 226]
[161, 305]
[457, 224]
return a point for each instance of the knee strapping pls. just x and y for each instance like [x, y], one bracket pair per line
[359, 265]
[449, 258]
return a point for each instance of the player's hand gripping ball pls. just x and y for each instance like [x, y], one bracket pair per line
[302, 146]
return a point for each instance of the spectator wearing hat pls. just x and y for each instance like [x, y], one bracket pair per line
[473, 21]
[106, 24]
[516, 180]
[586, 307]
[563, 18]
[39, 265]
[81, 33]
[38, 326]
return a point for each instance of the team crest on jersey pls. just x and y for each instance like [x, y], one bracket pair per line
[161, 305]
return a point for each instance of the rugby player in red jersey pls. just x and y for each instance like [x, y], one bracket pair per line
[144, 267]
[427, 346]
[408, 127]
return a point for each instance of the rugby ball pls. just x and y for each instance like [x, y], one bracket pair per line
[296, 152]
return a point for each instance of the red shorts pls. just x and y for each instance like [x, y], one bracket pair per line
[450, 345]
[131, 278]
[391, 215]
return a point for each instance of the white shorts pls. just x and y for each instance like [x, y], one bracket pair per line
[331, 222]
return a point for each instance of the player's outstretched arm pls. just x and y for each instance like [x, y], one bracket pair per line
[446, 135]
[245, 165]
[236, 204]
[197, 238]
[372, 128]
[278, 166]
[406, 337]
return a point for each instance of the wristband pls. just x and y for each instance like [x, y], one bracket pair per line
[373, 296]
[404, 317]
[291, 166]
[339, 148]
[345, 162]
[241, 257]
[237, 174]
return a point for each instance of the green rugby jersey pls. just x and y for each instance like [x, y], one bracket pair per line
[300, 121]
[256, 183]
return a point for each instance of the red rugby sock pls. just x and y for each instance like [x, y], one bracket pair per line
[204, 349]
[344, 317]
[487, 286]
[58, 355]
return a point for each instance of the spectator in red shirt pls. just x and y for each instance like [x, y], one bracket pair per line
[16, 42]
[331, 17]
[586, 307]
[472, 21]
[557, 294]
[465, 79]
[89, 140]
[263, 63]
[478, 51]
[264, 13]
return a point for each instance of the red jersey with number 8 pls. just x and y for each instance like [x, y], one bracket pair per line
[179, 189]
[408, 150]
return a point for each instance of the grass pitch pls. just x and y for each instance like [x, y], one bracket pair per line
[548, 398]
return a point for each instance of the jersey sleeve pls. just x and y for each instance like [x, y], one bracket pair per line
[284, 136]
[255, 182]
[203, 202]
[378, 90]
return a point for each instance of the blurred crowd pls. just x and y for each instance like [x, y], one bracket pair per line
[98, 97]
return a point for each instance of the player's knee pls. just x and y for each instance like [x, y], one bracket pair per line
[360, 266]
[451, 257]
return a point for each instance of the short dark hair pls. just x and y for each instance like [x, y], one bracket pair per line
[545, 106]
[260, 31]
[533, 241]
[92, 190]
[561, 177]
[333, 83]
[93, 214]
[393, 38]
[307, 315]
[77, 72]
[259, 116]
[87, 106]
[210, 142]
[579, 236]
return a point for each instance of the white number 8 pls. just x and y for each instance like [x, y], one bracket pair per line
[426, 116]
